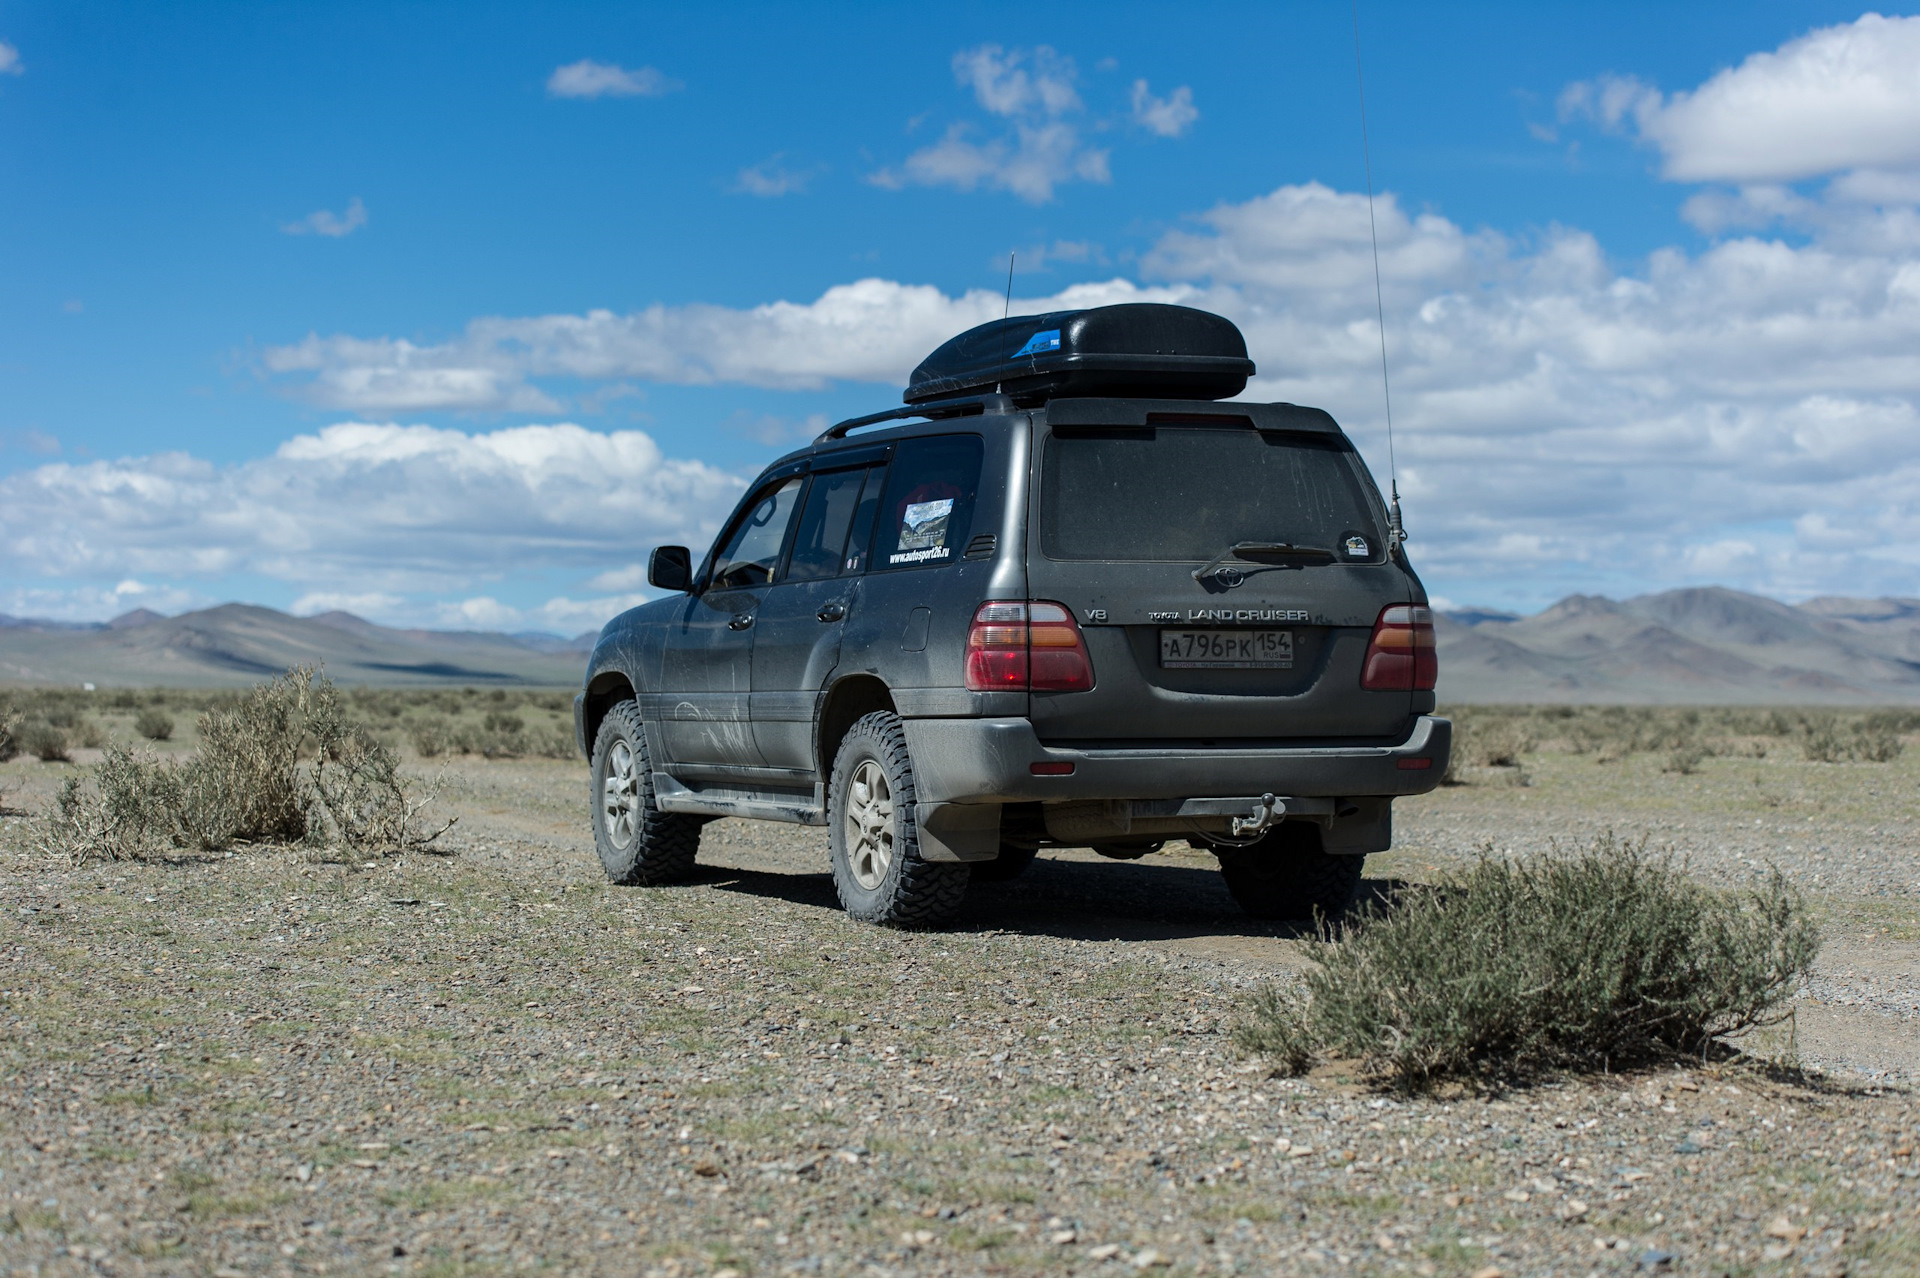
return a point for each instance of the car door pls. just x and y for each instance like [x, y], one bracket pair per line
[797, 637]
[706, 669]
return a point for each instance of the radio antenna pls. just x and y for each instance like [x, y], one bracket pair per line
[1396, 529]
[1008, 308]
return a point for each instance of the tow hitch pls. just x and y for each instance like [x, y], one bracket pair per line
[1265, 814]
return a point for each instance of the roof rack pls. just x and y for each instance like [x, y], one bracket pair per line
[958, 406]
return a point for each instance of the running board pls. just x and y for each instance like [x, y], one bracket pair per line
[673, 795]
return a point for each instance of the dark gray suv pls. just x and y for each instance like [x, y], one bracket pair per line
[1066, 597]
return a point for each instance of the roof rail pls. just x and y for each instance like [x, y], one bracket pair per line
[958, 406]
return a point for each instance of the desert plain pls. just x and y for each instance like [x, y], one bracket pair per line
[483, 1058]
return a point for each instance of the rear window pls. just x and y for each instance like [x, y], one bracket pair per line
[1184, 493]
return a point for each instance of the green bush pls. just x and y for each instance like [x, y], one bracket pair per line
[154, 724]
[1600, 959]
[280, 764]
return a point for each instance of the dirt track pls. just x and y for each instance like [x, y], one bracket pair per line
[494, 1061]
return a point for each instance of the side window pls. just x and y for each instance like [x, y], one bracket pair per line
[748, 552]
[929, 503]
[822, 539]
[862, 537]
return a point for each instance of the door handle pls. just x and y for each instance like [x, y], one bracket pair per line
[832, 612]
[740, 621]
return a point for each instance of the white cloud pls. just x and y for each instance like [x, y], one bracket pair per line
[330, 224]
[628, 577]
[98, 602]
[1562, 423]
[1166, 117]
[1838, 98]
[10, 63]
[365, 510]
[1038, 149]
[589, 79]
[872, 330]
[771, 178]
[367, 604]
[560, 615]
[1003, 83]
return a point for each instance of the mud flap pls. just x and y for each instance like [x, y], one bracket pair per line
[958, 831]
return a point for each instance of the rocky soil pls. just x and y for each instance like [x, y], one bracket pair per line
[493, 1061]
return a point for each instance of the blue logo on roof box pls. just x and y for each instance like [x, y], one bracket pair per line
[1040, 343]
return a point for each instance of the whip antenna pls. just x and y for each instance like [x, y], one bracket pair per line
[1396, 529]
[1008, 308]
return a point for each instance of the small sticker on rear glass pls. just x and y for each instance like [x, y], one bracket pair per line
[1047, 339]
[923, 532]
[1357, 547]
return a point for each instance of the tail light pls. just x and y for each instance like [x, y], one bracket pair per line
[1026, 647]
[1400, 657]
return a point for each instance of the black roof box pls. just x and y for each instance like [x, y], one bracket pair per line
[1137, 348]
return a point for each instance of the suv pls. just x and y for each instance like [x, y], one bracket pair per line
[1065, 597]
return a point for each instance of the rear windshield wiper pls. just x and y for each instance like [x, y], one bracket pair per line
[1247, 549]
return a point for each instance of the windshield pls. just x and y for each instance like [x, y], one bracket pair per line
[1187, 493]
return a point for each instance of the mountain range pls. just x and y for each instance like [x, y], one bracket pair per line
[1706, 645]
[241, 643]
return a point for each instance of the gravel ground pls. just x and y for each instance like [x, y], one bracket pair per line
[494, 1061]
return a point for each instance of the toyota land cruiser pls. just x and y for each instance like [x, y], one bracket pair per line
[1066, 596]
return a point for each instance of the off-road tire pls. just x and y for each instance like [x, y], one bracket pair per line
[638, 843]
[1285, 876]
[1012, 862]
[873, 790]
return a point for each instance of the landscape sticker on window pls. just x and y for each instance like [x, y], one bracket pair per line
[923, 532]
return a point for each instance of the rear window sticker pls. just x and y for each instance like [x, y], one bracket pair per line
[1357, 547]
[923, 532]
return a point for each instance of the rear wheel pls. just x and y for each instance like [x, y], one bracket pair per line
[875, 840]
[637, 842]
[1286, 875]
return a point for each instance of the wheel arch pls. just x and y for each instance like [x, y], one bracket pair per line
[846, 701]
[604, 691]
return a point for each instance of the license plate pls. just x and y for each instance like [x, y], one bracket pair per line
[1226, 649]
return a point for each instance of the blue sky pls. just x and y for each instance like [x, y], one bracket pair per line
[353, 304]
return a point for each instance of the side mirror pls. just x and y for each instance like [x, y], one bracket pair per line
[670, 568]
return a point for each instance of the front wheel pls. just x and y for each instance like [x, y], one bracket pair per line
[875, 840]
[1287, 876]
[637, 842]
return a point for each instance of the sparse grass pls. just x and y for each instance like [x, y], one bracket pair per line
[1497, 737]
[1599, 959]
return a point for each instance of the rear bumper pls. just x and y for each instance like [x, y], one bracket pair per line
[991, 761]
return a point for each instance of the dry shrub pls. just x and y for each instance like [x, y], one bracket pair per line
[499, 734]
[1826, 739]
[1488, 743]
[9, 725]
[1685, 759]
[154, 724]
[281, 764]
[45, 741]
[1603, 958]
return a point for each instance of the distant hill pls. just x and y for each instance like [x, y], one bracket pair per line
[237, 644]
[1707, 645]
